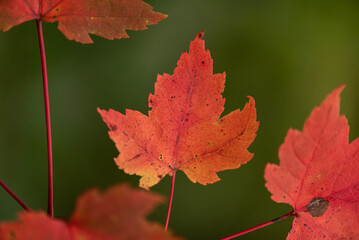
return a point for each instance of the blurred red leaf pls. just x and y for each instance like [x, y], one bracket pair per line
[318, 175]
[183, 130]
[117, 214]
[77, 19]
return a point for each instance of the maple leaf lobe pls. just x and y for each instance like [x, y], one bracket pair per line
[183, 130]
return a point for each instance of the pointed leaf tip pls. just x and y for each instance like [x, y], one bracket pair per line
[200, 34]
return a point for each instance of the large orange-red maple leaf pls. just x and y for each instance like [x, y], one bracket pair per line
[77, 19]
[183, 130]
[318, 175]
[117, 214]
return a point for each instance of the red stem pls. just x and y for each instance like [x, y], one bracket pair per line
[292, 213]
[13, 195]
[50, 208]
[170, 201]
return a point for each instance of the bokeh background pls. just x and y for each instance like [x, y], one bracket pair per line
[288, 55]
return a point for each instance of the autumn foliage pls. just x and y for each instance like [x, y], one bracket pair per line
[117, 214]
[77, 19]
[318, 175]
[184, 131]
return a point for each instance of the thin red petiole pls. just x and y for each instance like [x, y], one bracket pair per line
[50, 208]
[13, 195]
[170, 201]
[292, 213]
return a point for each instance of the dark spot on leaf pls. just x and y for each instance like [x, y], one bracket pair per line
[321, 189]
[202, 62]
[173, 96]
[57, 9]
[12, 236]
[113, 127]
[160, 176]
[317, 207]
[161, 157]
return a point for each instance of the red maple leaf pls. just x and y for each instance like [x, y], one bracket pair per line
[77, 19]
[183, 130]
[117, 214]
[318, 175]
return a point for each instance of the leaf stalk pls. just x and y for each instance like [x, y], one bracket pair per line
[292, 213]
[13, 195]
[50, 208]
[170, 201]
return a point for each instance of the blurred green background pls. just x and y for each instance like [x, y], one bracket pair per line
[286, 54]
